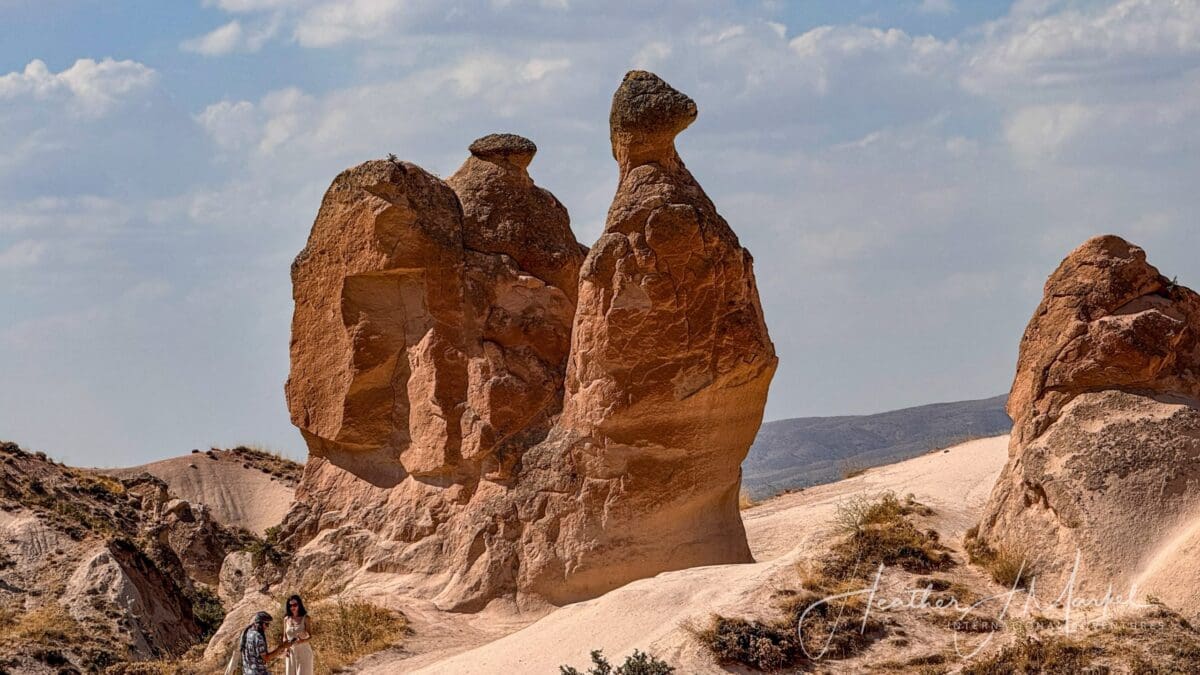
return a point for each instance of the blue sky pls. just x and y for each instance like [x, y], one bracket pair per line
[905, 173]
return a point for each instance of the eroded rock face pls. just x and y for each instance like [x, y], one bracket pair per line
[522, 272]
[1104, 460]
[404, 299]
[670, 364]
[379, 348]
[505, 212]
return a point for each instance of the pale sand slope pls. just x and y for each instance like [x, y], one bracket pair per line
[648, 614]
[237, 496]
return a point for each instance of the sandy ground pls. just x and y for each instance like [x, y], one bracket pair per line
[237, 496]
[651, 614]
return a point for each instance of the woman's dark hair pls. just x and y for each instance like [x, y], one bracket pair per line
[287, 611]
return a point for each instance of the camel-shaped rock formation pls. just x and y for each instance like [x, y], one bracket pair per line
[489, 413]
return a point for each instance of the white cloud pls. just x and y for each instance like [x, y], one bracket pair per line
[333, 22]
[230, 38]
[937, 7]
[1038, 132]
[93, 87]
[24, 253]
[651, 55]
[232, 125]
[829, 51]
[287, 113]
[89, 214]
[727, 33]
[1123, 42]
[223, 40]
[536, 69]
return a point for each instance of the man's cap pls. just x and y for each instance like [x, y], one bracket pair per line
[262, 617]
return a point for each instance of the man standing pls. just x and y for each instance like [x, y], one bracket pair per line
[255, 656]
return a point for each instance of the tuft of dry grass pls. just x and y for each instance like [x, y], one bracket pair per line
[1008, 567]
[49, 624]
[877, 531]
[269, 462]
[1051, 656]
[181, 667]
[1157, 641]
[346, 630]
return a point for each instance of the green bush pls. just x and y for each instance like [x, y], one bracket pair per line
[638, 663]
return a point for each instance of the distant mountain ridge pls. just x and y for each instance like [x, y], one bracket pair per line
[803, 451]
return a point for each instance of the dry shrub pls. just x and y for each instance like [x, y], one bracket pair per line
[1008, 567]
[832, 630]
[49, 624]
[877, 531]
[1051, 656]
[347, 630]
[638, 663]
[762, 646]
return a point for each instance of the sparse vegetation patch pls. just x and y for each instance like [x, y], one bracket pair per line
[877, 531]
[346, 630]
[638, 663]
[1007, 567]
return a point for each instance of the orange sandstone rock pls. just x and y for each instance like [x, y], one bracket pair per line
[435, 345]
[1104, 459]
[505, 212]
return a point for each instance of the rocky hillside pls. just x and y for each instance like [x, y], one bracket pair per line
[243, 488]
[95, 570]
[794, 453]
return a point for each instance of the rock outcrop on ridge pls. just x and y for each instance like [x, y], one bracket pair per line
[95, 570]
[490, 414]
[1104, 460]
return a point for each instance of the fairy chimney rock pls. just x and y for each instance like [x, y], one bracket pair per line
[1104, 458]
[491, 412]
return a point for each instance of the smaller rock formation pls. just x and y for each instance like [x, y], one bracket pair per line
[522, 270]
[1104, 460]
[505, 213]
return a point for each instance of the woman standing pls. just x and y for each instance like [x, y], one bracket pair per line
[298, 628]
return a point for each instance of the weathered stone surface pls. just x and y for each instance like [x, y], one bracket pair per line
[504, 212]
[237, 575]
[491, 492]
[669, 366]
[379, 354]
[522, 273]
[1104, 460]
